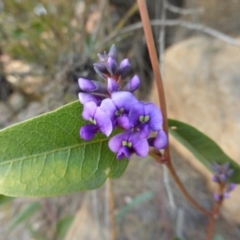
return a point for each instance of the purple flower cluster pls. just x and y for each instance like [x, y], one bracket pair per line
[113, 105]
[222, 173]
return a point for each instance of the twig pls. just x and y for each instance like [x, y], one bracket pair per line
[110, 200]
[210, 231]
[126, 16]
[171, 23]
[95, 210]
[168, 188]
[162, 36]
[184, 191]
[182, 11]
[163, 213]
[95, 34]
[154, 61]
[180, 222]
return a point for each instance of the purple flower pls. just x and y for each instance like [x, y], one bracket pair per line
[111, 66]
[101, 70]
[92, 86]
[133, 84]
[123, 67]
[108, 66]
[229, 188]
[112, 85]
[145, 117]
[221, 172]
[160, 141]
[86, 97]
[99, 121]
[118, 107]
[217, 197]
[127, 143]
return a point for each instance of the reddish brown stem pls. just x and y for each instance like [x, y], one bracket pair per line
[184, 191]
[161, 96]
[210, 231]
[154, 60]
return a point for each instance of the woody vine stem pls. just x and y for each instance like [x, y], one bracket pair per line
[166, 158]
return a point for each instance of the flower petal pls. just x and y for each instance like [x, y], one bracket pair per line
[113, 52]
[123, 152]
[123, 67]
[115, 142]
[160, 141]
[111, 65]
[112, 85]
[144, 130]
[103, 121]
[123, 122]
[100, 68]
[231, 187]
[108, 107]
[87, 132]
[155, 120]
[140, 145]
[89, 110]
[133, 84]
[85, 97]
[124, 100]
[86, 85]
[136, 111]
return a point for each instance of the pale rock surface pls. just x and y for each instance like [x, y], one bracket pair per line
[27, 79]
[202, 85]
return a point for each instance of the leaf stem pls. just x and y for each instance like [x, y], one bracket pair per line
[166, 158]
[210, 230]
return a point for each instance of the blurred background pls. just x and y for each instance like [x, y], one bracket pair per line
[46, 45]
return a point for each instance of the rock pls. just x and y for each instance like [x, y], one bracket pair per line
[207, 14]
[202, 85]
[17, 101]
[25, 78]
[5, 114]
[33, 109]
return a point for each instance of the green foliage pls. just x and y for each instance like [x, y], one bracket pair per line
[45, 156]
[24, 214]
[63, 226]
[203, 148]
[5, 199]
[144, 197]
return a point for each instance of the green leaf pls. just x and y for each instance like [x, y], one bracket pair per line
[203, 148]
[45, 156]
[63, 225]
[5, 199]
[24, 214]
[135, 202]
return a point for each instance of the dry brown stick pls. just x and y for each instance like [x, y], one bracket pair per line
[171, 23]
[183, 11]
